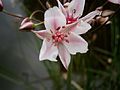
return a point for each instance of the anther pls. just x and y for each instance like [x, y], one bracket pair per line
[63, 26]
[51, 31]
[74, 10]
[58, 28]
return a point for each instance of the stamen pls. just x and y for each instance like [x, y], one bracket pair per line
[67, 40]
[58, 28]
[51, 31]
[74, 10]
[63, 26]
[58, 37]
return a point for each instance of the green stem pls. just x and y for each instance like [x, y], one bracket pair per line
[35, 25]
[35, 13]
[17, 16]
[77, 86]
[69, 77]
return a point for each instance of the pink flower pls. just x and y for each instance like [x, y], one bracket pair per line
[115, 1]
[73, 11]
[26, 25]
[1, 5]
[58, 40]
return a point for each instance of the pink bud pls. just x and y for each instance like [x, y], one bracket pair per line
[26, 25]
[1, 5]
[115, 1]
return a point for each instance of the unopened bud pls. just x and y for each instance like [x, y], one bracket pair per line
[106, 13]
[102, 20]
[114, 1]
[48, 5]
[26, 25]
[1, 5]
[109, 60]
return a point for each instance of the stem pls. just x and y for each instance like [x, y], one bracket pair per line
[11, 14]
[35, 13]
[38, 24]
[42, 4]
[77, 86]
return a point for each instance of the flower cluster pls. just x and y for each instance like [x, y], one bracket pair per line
[63, 27]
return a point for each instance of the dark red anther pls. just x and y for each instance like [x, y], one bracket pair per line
[58, 28]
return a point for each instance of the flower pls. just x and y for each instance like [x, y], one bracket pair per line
[73, 11]
[58, 40]
[26, 25]
[1, 5]
[115, 1]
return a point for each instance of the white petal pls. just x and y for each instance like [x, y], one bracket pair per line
[76, 44]
[54, 18]
[81, 28]
[64, 55]
[90, 16]
[78, 6]
[48, 51]
[42, 34]
[61, 7]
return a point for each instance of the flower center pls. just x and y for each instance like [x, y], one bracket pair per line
[58, 37]
[71, 20]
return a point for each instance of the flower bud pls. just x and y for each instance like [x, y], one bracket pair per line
[101, 20]
[106, 13]
[1, 5]
[26, 25]
[115, 1]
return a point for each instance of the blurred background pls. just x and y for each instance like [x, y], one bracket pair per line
[20, 69]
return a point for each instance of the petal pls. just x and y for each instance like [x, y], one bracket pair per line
[64, 55]
[25, 20]
[69, 27]
[81, 28]
[61, 7]
[54, 18]
[77, 6]
[76, 44]
[42, 34]
[27, 26]
[90, 16]
[48, 51]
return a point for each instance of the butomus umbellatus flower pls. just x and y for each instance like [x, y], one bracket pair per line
[73, 12]
[58, 39]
